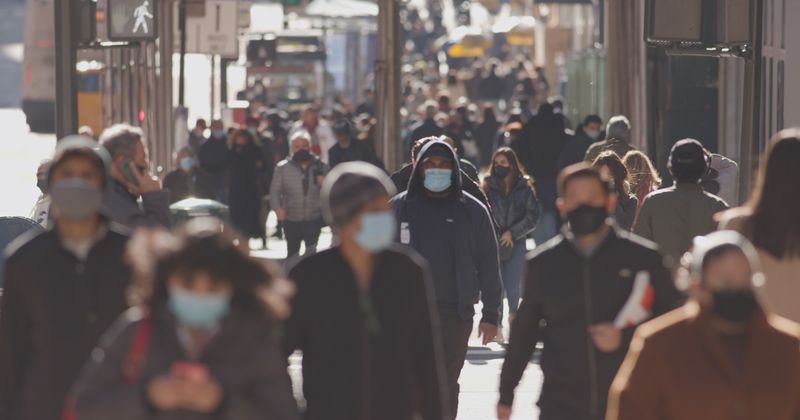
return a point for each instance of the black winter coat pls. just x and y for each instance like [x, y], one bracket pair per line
[244, 357]
[245, 191]
[474, 238]
[54, 309]
[565, 293]
[517, 212]
[373, 355]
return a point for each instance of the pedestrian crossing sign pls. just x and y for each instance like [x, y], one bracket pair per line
[132, 20]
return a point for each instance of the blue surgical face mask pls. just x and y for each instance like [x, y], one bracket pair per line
[198, 310]
[377, 232]
[187, 163]
[438, 180]
[219, 134]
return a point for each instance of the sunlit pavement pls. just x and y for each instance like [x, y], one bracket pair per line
[20, 154]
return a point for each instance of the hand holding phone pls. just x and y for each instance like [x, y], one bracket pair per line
[187, 371]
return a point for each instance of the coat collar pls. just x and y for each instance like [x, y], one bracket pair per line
[757, 344]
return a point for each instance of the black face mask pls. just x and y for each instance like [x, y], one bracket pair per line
[501, 171]
[301, 155]
[586, 219]
[735, 305]
[41, 183]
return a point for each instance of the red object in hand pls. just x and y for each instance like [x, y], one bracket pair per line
[195, 372]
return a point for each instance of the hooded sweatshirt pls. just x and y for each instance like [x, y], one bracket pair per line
[456, 235]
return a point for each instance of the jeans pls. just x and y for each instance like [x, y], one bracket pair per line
[455, 340]
[511, 272]
[297, 232]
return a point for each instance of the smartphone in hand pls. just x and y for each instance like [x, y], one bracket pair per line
[195, 372]
[127, 172]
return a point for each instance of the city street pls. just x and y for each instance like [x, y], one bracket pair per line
[620, 176]
[20, 153]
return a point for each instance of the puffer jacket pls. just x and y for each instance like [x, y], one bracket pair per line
[296, 191]
[518, 212]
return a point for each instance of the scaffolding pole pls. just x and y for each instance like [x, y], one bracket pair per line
[387, 80]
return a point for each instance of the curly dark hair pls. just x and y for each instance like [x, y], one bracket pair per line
[199, 247]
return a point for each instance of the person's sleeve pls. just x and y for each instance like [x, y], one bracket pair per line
[644, 227]
[15, 341]
[275, 189]
[525, 333]
[295, 326]
[102, 393]
[667, 295]
[155, 206]
[636, 393]
[488, 267]
[333, 157]
[427, 349]
[268, 394]
[521, 229]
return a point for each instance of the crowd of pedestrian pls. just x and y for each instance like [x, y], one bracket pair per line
[643, 295]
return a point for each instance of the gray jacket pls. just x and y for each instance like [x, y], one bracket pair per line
[244, 358]
[296, 191]
[124, 208]
[672, 217]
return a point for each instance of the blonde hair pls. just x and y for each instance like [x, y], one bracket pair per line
[641, 172]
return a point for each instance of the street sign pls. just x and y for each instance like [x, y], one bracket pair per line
[132, 20]
[217, 32]
[244, 13]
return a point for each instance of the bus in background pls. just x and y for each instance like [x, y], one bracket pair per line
[39, 68]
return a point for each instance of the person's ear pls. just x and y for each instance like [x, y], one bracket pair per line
[561, 206]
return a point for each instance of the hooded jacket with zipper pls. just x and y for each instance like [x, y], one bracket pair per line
[54, 309]
[516, 212]
[566, 292]
[296, 191]
[477, 269]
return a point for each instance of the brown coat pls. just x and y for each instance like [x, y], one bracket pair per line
[782, 289]
[677, 369]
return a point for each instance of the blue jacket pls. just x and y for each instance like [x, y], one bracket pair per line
[477, 268]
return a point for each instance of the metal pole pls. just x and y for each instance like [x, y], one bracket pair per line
[223, 81]
[182, 65]
[387, 80]
[213, 82]
[66, 77]
[751, 102]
